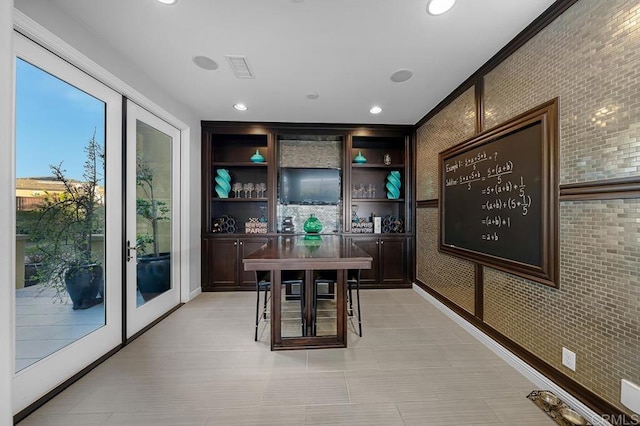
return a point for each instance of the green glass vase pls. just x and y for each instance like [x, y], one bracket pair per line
[312, 225]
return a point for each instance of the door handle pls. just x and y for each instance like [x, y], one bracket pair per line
[129, 249]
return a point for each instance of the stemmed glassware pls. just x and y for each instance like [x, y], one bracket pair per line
[237, 188]
[260, 189]
[248, 188]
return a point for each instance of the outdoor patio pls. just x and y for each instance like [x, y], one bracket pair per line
[45, 324]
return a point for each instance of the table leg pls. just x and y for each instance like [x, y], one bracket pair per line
[341, 306]
[309, 305]
[276, 309]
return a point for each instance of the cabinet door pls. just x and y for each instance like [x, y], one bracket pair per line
[222, 263]
[369, 245]
[393, 260]
[247, 246]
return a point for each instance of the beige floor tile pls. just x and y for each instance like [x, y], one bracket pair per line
[410, 356]
[377, 386]
[193, 418]
[258, 416]
[341, 360]
[447, 412]
[306, 389]
[388, 321]
[471, 354]
[353, 414]
[89, 419]
[200, 366]
[517, 410]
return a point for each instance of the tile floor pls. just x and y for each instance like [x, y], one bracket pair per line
[200, 366]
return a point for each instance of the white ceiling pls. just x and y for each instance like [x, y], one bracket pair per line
[345, 50]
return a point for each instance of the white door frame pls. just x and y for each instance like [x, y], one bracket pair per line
[190, 236]
[139, 317]
[36, 380]
[190, 246]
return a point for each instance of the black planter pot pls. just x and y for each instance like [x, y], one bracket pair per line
[154, 275]
[85, 285]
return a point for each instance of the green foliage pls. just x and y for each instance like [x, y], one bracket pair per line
[143, 241]
[67, 222]
[149, 208]
[26, 221]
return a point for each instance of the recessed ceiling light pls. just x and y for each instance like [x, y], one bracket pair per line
[240, 107]
[168, 1]
[312, 95]
[438, 7]
[401, 75]
[375, 110]
[205, 63]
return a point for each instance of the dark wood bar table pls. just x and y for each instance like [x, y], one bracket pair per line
[308, 253]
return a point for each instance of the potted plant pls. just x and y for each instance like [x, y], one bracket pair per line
[153, 266]
[64, 230]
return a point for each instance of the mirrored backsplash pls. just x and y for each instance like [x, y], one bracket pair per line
[330, 216]
[312, 151]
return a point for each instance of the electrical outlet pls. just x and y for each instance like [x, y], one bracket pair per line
[569, 359]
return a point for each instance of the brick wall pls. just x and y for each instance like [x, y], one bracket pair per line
[589, 57]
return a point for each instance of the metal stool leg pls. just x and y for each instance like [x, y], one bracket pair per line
[255, 337]
[266, 298]
[358, 301]
[350, 297]
[263, 314]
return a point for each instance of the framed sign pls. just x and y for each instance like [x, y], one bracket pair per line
[499, 196]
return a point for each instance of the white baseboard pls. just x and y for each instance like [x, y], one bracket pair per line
[539, 379]
[194, 293]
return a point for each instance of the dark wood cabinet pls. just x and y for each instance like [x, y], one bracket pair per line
[393, 260]
[222, 262]
[227, 232]
[390, 261]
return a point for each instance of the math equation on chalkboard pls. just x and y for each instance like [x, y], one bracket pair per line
[492, 197]
[498, 196]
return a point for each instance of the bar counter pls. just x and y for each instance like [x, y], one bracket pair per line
[308, 253]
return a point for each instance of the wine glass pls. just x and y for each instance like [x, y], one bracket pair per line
[250, 188]
[263, 189]
[237, 187]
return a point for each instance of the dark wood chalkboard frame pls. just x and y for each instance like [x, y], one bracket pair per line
[547, 271]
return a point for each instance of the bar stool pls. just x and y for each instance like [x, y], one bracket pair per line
[263, 282]
[353, 280]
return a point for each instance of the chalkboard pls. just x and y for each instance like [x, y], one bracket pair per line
[498, 196]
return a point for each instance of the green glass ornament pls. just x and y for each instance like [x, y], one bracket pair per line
[312, 225]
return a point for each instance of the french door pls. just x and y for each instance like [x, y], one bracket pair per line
[152, 218]
[68, 169]
[69, 185]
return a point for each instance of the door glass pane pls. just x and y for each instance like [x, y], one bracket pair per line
[60, 214]
[153, 212]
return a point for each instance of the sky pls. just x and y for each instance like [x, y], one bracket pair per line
[54, 122]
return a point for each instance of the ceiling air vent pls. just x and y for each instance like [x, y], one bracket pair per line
[239, 66]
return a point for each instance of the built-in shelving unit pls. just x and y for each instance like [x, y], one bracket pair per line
[230, 146]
